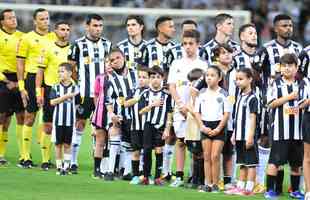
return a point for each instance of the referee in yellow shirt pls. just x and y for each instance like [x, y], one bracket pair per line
[11, 101]
[30, 52]
[56, 54]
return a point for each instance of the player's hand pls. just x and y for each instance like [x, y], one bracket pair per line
[116, 120]
[40, 101]
[11, 85]
[249, 143]
[233, 139]
[183, 110]
[25, 97]
[214, 132]
[292, 96]
[205, 130]
[166, 134]
[157, 103]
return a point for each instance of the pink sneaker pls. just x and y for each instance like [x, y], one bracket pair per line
[247, 193]
[235, 191]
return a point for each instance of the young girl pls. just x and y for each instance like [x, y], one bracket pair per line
[244, 133]
[212, 111]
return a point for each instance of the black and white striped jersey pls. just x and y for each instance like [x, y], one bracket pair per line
[158, 115]
[134, 54]
[304, 58]
[287, 117]
[246, 105]
[206, 52]
[121, 86]
[89, 56]
[137, 121]
[157, 53]
[243, 60]
[64, 113]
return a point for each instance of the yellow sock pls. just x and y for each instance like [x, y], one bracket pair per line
[48, 143]
[1, 142]
[4, 142]
[19, 138]
[40, 130]
[45, 143]
[27, 140]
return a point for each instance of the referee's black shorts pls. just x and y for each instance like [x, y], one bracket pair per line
[286, 151]
[11, 101]
[48, 109]
[30, 86]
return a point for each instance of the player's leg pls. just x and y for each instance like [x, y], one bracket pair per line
[217, 146]
[115, 143]
[306, 166]
[101, 136]
[5, 121]
[207, 150]
[136, 142]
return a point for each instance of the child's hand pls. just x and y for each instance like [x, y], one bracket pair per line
[233, 139]
[292, 96]
[157, 103]
[214, 132]
[249, 143]
[205, 130]
[165, 134]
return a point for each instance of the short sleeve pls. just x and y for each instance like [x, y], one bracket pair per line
[169, 104]
[53, 94]
[172, 78]
[228, 106]
[77, 98]
[74, 52]
[253, 104]
[23, 45]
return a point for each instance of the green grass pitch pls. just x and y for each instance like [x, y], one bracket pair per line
[35, 184]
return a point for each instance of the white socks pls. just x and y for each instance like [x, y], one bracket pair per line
[167, 159]
[263, 154]
[76, 143]
[115, 145]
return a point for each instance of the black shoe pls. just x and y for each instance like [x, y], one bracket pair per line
[127, 177]
[51, 165]
[28, 164]
[109, 176]
[20, 163]
[97, 175]
[3, 161]
[58, 171]
[44, 166]
[205, 188]
[167, 177]
[215, 189]
[189, 180]
[74, 169]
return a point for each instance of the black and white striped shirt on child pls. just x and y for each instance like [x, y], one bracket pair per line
[138, 121]
[89, 56]
[246, 105]
[287, 118]
[158, 115]
[64, 113]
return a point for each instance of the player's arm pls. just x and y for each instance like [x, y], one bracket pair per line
[253, 104]
[273, 101]
[58, 100]
[22, 51]
[73, 59]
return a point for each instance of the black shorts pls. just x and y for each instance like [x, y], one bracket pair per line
[63, 134]
[264, 122]
[86, 108]
[228, 148]
[212, 125]
[125, 131]
[30, 86]
[246, 157]
[306, 127]
[195, 147]
[136, 140]
[152, 137]
[286, 151]
[11, 101]
[48, 109]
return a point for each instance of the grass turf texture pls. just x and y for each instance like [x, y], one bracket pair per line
[35, 184]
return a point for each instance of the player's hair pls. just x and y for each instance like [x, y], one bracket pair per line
[289, 58]
[217, 50]
[37, 11]
[189, 21]
[194, 74]
[67, 66]
[247, 71]
[161, 20]
[244, 27]
[192, 34]
[156, 70]
[142, 68]
[139, 20]
[116, 50]
[216, 68]
[93, 16]
[281, 17]
[3, 12]
[61, 22]
[220, 18]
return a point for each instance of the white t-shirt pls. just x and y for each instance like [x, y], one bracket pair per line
[212, 104]
[178, 72]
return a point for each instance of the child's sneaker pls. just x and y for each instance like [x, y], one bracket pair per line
[177, 183]
[151, 180]
[135, 180]
[159, 182]
[205, 188]
[307, 196]
[247, 193]
[235, 191]
[58, 171]
[259, 189]
[271, 195]
[145, 181]
[215, 189]
[296, 195]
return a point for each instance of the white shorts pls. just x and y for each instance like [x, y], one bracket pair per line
[180, 128]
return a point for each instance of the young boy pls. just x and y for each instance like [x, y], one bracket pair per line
[138, 121]
[158, 110]
[287, 146]
[65, 97]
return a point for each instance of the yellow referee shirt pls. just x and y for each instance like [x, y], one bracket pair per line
[32, 47]
[54, 56]
[8, 50]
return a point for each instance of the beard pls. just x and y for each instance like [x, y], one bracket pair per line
[120, 70]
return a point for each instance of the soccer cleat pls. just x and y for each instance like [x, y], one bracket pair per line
[20, 163]
[74, 169]
[229, 186]
[205, 188]
[296, 195]
[145, 181]
[221, 185]
[215, 189]
[177, 183]
[307, 196]
[58, 171]
[44, 166]
[259, 189]
[235, 191]
[127, 177]
[109, 176]
[97, 175]
[51, 165]
[28, 164]
[151, 180]
[271, 195]
[167, 177]
[159, 182]
[135, 180]
[64, 172]
[3, 161]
